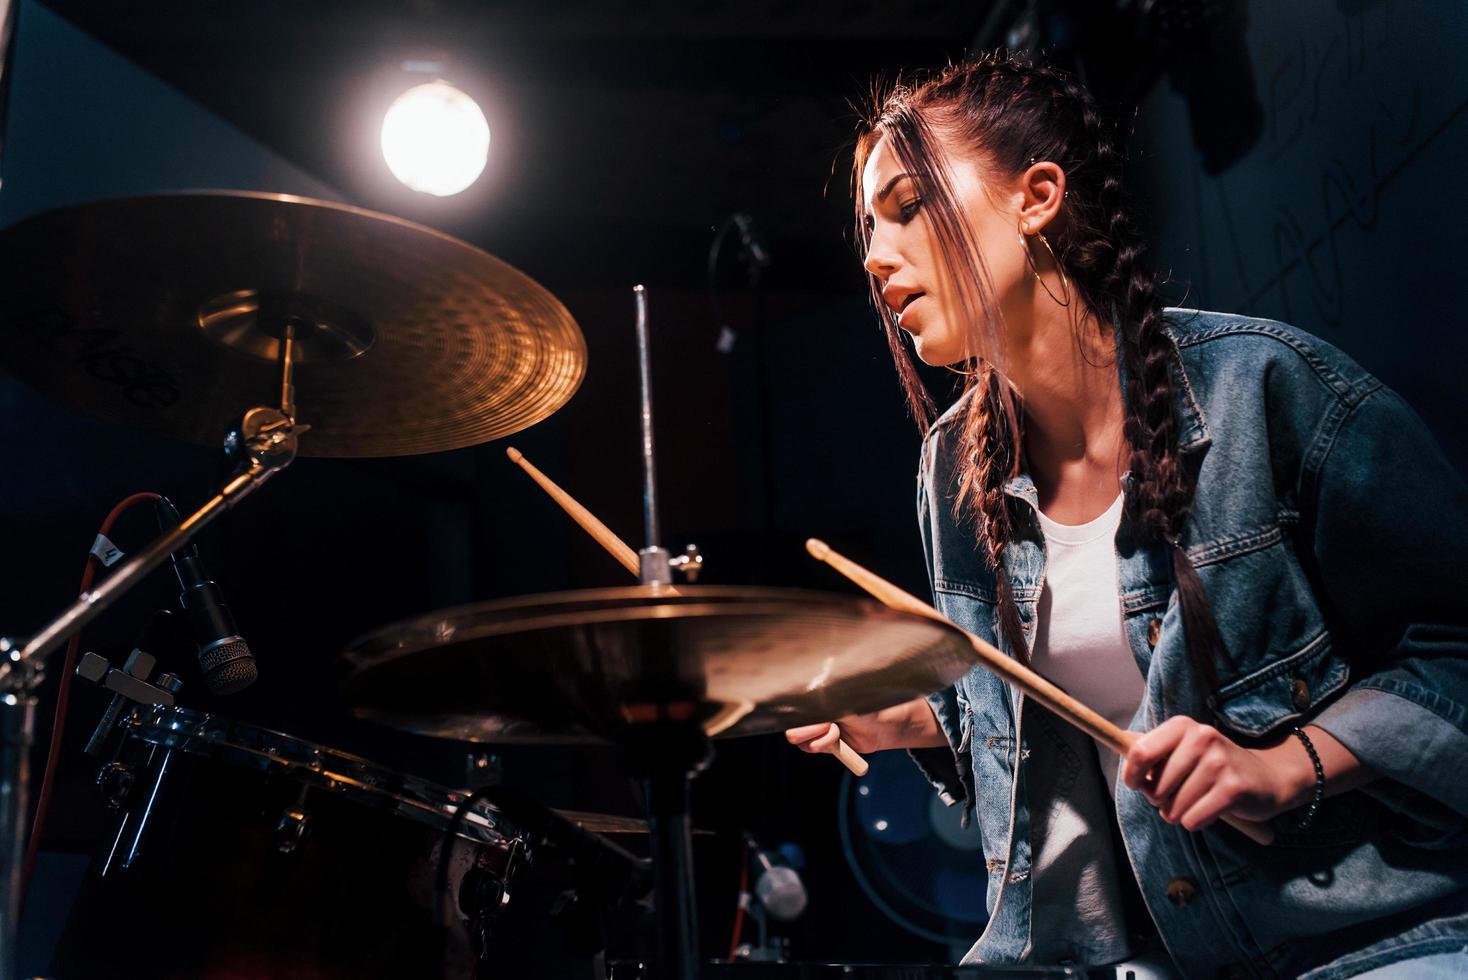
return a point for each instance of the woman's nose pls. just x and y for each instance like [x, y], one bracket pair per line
[881, 260]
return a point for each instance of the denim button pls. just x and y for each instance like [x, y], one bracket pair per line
[1299, 693]
[1181, 891]
[1154, 631]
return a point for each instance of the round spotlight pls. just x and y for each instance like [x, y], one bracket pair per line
[435, 139]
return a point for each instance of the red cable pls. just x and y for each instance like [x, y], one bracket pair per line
[63, 695]
[743, 899]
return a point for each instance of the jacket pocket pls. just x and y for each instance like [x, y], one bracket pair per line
[1290, 687]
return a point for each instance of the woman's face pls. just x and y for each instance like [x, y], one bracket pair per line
[904, 254]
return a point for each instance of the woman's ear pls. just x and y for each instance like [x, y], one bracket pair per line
[1042, 187]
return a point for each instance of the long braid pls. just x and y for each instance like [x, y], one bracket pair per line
[1163, 486]
[981, 489]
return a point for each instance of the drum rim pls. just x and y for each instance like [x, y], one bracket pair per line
[210, 735]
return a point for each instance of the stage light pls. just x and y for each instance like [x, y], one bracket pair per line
[435, 139]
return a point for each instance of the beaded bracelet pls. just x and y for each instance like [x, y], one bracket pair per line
[1303, 823]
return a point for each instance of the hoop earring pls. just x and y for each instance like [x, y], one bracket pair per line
[1029, 257]
[966, 374]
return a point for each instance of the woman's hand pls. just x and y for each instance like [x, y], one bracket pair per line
[864, 733]
[1194, 774]
[909, 725]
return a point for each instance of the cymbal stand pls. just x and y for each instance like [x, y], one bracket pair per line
[653, 559]
[667, 754]
[664, 746]
[261, 443]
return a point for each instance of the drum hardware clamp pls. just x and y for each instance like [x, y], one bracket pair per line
[690, 563]
[130, 683]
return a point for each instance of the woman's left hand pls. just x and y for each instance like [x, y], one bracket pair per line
[1194, 774]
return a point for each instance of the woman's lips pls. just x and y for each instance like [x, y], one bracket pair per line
[906, 308]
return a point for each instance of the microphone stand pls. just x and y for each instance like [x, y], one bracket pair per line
[262, 443]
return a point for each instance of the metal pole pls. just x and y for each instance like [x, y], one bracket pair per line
[18, 698]
[9, 9]
[671, 848]
[653, 563]
[667, 756]
[17, 732]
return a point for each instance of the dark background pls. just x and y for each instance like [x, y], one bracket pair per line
[1299, 161]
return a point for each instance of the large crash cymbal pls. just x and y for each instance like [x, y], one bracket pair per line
[585, 665]
[164, 314]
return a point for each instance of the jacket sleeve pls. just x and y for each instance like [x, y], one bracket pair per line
[1390, 533]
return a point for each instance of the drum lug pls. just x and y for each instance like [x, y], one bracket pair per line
[482, 769]
[482, 894]
[291, 829]
[115, 781]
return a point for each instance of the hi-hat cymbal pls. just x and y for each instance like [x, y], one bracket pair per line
[586, 665]
[164, 314]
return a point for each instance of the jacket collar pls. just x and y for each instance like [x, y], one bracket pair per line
[1193, 433]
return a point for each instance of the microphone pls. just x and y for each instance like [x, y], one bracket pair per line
[778, 887]
[224, 656]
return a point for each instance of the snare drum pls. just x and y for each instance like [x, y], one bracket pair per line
[243, 852]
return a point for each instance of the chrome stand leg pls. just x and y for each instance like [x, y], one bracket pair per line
[17, 732]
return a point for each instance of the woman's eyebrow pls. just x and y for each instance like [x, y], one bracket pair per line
[887, 187]
[886, 190]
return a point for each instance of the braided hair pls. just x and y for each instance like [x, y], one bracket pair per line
[1011, 112]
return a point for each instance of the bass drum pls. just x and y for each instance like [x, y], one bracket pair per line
[911, 855]
[242, 852]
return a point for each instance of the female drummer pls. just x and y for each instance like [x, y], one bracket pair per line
[1213, 529]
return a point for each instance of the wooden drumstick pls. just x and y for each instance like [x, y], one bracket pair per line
[603, 534]
[629, 560]
[1094, 724]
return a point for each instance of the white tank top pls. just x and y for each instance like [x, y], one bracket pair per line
[1080, 643]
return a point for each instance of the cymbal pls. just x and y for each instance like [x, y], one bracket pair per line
[164, 314]
[578, 666]
[611, 823]
[604, 823]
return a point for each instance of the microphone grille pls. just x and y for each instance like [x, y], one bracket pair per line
[781, 892]
[228, 666]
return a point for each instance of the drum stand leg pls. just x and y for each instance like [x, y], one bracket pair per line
[17, 732]
[667, 757]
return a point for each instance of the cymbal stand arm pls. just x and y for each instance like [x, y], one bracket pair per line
[654, 560]
[264, 443]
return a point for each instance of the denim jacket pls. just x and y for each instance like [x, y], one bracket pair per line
[1331, 536]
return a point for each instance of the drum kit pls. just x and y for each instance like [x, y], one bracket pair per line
[283, 327]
